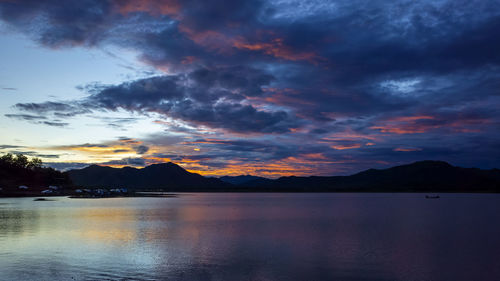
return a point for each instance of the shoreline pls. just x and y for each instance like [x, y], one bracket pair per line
[174, 194]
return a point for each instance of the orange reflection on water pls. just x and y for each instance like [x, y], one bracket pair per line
[107, 224]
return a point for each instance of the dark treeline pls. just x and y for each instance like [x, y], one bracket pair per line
[423, 176]
[18, 170]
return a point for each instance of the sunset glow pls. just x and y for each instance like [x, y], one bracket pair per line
[250, 87]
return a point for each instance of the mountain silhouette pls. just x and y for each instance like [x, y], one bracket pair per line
[420, 176]
[167, 176]
[423, 176]
[240, 180]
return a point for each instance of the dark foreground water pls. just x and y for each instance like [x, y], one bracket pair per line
[229, 236]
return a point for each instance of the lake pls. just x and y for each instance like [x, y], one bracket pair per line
[253, 236]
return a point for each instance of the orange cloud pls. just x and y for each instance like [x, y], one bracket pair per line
[102, 152]
[271, 170]
[407, 149]
[348, 135]
[188, 60]
[97, 149]
[275, 48]
[302, 165]
[413, 124]
[282, 96]
[411, 118]
[400, 131]
[406, 125]
[152, 159]
[130, 141]
[346, 146]
[315, 156]
[153, 7]
[211, 39]
[468, 125]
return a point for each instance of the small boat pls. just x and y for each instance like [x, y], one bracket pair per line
[432, 196]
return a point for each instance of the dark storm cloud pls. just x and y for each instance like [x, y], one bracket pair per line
[141, 149]
[55, 124]
[26, 117]
[41, 108]
[355, 39]
[48, 110]
[201, 14]
[37, 119]
[61, 110]
[68, 23]
[201, 85]
[263, 149]
[207, 96]
[405, 73]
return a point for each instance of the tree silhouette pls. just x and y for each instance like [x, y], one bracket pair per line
[35, 163]
[19, 170]
[20, 161]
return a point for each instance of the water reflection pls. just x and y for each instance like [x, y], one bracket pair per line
[15, 222]
[252, 237]
[106, 225]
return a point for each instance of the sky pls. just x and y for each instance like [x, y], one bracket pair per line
[270, 88]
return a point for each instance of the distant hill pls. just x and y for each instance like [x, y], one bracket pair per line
[167, 176]
[423, 176]
[240, 180]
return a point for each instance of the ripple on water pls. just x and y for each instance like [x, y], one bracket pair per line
[232, 236]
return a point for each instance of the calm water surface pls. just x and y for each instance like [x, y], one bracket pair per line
[229, 236]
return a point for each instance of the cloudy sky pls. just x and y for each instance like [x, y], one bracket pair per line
[270, 88]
